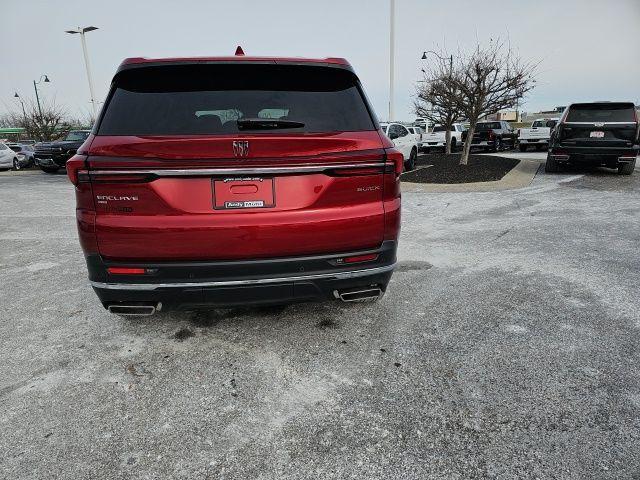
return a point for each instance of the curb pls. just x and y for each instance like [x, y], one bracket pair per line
[520, 176]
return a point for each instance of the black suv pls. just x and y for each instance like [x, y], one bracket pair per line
[493, 136]
[599, 133]
[52, 156]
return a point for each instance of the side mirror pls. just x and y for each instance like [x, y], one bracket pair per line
[393, 136]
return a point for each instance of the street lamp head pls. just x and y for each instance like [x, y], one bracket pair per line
[71, 31]
[424, 55]
[16, 95]
[46, 79]
[89, 29]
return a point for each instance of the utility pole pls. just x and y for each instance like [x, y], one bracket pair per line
[82, 32]
[392, 66]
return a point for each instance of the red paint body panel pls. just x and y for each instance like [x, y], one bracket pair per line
[219, 147]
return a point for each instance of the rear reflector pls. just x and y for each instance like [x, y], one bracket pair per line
[359, 258]
[126, 271]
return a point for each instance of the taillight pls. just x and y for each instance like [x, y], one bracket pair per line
[76, 169]
[397, 159]
[350, 172]
[491, 135]
[518, 132]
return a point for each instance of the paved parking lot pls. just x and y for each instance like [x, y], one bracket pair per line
[506, 347]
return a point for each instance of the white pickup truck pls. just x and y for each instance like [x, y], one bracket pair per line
[538, 135]
[437, 139]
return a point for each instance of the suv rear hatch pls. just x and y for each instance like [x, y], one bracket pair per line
[222, 161]
[600, 125]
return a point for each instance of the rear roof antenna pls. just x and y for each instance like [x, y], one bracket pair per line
[239, 51]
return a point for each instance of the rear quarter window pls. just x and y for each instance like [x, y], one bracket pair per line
[210, 99]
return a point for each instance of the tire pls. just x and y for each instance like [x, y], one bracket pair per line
[16, 164]
[523, 148]
[411, 163]
[551, 165]
[626, 168]
[49, 169]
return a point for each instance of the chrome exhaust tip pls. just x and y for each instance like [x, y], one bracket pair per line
[134, 310]
[359, 295]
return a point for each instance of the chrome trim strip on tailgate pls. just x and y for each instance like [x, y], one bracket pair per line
[199, 172]
[256, 281]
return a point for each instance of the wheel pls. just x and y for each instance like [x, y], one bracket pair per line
[49, 169]
[16, 164]
[411, 163]
[523, 148]
[551, 165]
[627, 168]
[498, 145]
[453, 144]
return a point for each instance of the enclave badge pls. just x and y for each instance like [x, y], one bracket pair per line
[240, 148]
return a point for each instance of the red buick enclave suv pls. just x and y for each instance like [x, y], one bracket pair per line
[236, 181]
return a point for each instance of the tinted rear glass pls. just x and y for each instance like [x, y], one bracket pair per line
[610, 112]
[488, 126]
[209, 99]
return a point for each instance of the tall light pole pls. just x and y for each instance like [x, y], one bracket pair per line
[44, 79]
[392, 60]
[424, 57]
[82, 31]
[24, 114]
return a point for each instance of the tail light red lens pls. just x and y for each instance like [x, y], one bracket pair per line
[126, 271]
[491, 135]
[396, 157]
[76, 169]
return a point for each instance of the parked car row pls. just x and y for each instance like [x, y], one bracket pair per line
[52, 156]
[15, 155]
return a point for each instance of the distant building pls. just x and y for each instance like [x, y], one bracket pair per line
[507, 116]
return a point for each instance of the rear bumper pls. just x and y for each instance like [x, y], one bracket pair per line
[256, 282]
[593, 155]
[533, 141]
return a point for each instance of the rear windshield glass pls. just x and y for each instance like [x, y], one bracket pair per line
[611, 112]
[76, 136]
[440, 128]
[488, 126]
[211, 99]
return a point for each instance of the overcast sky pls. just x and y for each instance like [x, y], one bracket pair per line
[589, 50]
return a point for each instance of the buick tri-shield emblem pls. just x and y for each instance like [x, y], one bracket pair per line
[240, 148]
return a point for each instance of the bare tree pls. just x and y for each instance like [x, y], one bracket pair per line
[491, 79]
[437, 98]
[49, 124]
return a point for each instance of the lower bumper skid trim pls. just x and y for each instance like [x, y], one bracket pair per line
[255, 281]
